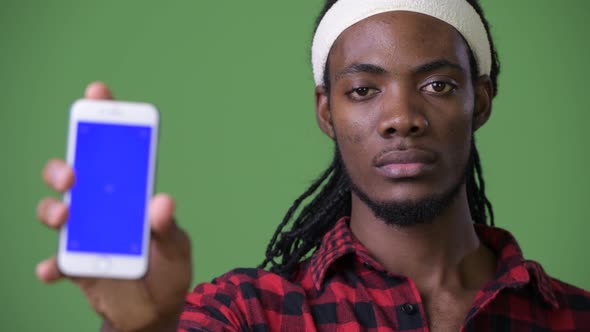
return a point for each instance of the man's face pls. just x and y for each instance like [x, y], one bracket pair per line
[402, 106]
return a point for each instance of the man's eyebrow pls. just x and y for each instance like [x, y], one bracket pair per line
[436, 65]
[356, 68]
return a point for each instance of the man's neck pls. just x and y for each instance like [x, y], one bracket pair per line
[443, 254]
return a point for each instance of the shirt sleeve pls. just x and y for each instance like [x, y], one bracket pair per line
[212, 307]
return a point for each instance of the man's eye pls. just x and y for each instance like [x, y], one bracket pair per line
[439, 87]
[362, 93]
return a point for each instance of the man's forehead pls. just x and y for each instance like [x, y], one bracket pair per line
[459, 14]
[399, 38]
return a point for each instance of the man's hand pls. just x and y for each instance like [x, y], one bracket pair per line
[152, 303]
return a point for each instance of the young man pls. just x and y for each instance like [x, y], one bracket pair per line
[401, 86]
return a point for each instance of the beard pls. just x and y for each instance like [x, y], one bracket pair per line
[409, 212]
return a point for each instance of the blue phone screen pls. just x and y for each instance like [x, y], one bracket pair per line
[108, 199]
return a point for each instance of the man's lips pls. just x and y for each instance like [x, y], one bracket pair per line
[398, 164]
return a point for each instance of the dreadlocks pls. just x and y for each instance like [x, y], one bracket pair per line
[333, 200]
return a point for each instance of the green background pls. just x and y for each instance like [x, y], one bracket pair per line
[239, 141]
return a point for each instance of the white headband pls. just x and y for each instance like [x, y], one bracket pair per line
[345, 13]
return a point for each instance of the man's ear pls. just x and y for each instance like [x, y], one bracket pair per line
[323, 114]
[484, 92]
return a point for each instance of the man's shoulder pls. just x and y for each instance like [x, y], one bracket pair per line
[253, 283]
[241, 276]
[242, 294]
[561, 295]
[570, 296]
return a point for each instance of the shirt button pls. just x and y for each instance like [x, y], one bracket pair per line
[368, 265]
[408, 308]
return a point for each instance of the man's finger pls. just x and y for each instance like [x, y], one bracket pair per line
[58, 175]
[52, 212]
[98, 90]
[171, 241]
[47, 271]
[161, 215]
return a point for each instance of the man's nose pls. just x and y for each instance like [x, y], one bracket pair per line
[402, 115]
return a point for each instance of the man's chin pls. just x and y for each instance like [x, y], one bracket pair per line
[407, 213]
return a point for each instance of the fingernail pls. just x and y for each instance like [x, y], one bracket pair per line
[57, 175]
[54, 213]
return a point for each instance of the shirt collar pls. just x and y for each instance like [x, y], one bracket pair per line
[512, 270]
[337, 242]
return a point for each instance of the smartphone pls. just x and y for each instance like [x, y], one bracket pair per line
[112, 149]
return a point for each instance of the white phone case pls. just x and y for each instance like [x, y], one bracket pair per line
[101, 264]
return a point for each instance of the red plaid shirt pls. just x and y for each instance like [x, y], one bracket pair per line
[341, 288]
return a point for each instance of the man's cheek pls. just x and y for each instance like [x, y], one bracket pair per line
[356, 133]
[459, 131]
[462, 136]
